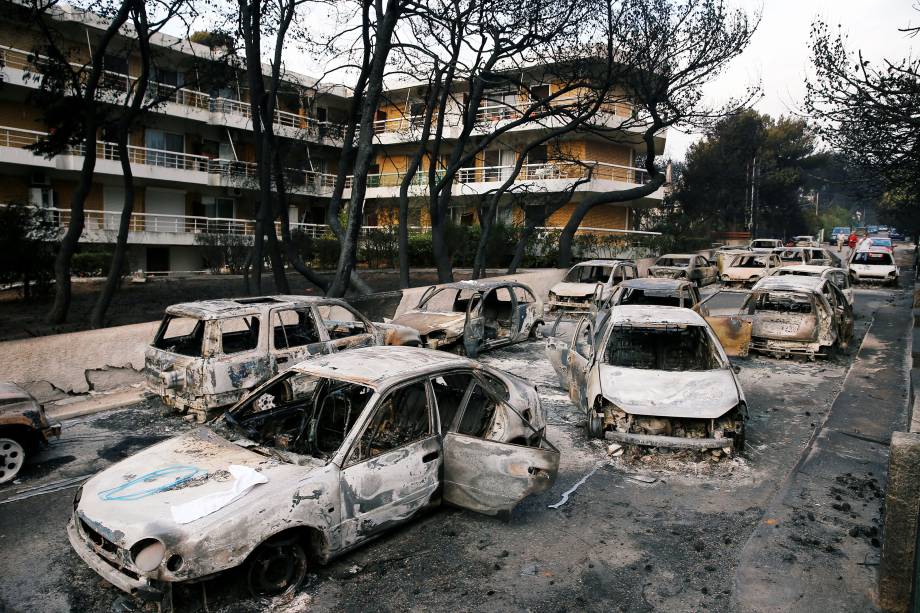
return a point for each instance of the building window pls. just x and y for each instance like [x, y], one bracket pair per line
[115, 63]
[164, 144]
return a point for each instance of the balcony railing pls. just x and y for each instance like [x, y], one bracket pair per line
[529, 172]
[314, 127]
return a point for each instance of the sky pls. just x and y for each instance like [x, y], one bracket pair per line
[778, 57]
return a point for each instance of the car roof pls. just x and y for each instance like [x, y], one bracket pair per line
[377, 367]
[790, 283]
[810, 268]
[478, 284]
[678, 255]
[235, 307]
[9, 390]
[654, 283]
[637, 314]
[604, 262]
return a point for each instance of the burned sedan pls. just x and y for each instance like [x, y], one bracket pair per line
[660, 292]
[586, 283]
[318, 460]
[472, 316]
[23, 428]
[689, 266]
[208, 354]
[652, 376]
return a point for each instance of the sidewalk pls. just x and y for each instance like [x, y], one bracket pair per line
[817, 546]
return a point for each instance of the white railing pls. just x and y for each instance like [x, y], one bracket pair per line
[529, 172]
[313, 127]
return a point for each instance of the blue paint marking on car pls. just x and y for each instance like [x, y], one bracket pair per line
[117, 493]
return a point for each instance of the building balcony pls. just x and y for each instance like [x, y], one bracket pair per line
[15, 66]
[157, 165]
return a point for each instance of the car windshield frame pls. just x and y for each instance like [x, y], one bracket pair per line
[460, 304]
[673, 262]
[647, 334]
[579, 268]
[864, 258]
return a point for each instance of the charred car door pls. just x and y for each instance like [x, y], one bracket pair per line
[844, 310]
[489, 476]
[730, 316]
[241, 362]
[525, 309]
[474, 328]
[392, 469]
[345, 328]
[294, 336]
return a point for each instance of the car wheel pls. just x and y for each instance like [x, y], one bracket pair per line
[277, 566]
[12, 457]
[533, 329]
[595, 425]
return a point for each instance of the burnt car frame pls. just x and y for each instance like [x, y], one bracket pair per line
[473, 316]
[23, 429]
[690, 266]
[656, 292]
[348, 445]
[652, 376]
[209, 354]
[586, 283]
[793, 315]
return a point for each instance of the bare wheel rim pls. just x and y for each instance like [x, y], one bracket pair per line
[12, 457]
[276, 568]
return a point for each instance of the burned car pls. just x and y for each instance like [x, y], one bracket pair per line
[689, 266]
[874, 265]
[837, 276]
[472, 316]
[659, 292]
[208, 354]
[23, 429]
[316, 461]
[587, 283]
[764, 245]
[793, 256]
[746, 269]
[794, 315]
[652, 376]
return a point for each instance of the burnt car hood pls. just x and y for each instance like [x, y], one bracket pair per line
[574, 290]
[125, 521]
[704, 394]
[428, 322]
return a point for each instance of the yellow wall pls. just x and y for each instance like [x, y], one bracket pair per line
[603, 216]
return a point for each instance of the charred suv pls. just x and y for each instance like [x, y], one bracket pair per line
[587, 283]
[653, 376]
[208, 354]
[316, 461]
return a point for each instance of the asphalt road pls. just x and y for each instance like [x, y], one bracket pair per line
[637, 535]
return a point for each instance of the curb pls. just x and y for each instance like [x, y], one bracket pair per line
[95, 404]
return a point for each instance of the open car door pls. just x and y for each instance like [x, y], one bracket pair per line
[726, 314]
[474, 329]
[492, 477]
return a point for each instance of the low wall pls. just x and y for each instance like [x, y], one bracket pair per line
[78, 362]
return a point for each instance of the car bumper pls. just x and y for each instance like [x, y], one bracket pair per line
[136, 586]
[675, 442]
[51, 431]
[778, 347]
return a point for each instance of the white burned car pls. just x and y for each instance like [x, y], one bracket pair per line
[586, 284]
[654, 376]
[316, 461]
[837, 276]
[209, 354]
[474, 316]
[688, 266]
[746, 269]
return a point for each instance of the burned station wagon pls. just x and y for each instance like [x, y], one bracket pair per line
[689, 266]
[473, 316]
[314, 462]
[652, 376]
[208, 354]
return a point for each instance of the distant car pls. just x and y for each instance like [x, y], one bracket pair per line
[883, 228]
[876, 266]
[765, 245]
[652, 376]
[880, 243]
[895, 235]
[792, 256]
[805, 240]
[861, 232]
[747, 269]
[473, 316]
[659, 292]
[586, 283]
[837, 276]
[839, 235]
[318, 460]
[872, 229]
[690, 266]
[209, 354]
[23, 429]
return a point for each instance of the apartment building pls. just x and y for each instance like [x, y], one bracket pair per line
[193, 158]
